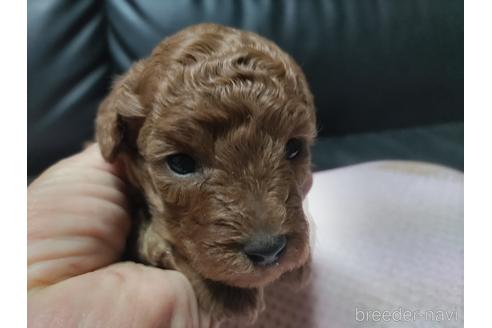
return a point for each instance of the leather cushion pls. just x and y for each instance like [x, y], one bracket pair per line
[440, 144]
[68, 74]
[372, 65]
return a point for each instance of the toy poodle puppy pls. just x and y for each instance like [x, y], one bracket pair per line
[214, 130]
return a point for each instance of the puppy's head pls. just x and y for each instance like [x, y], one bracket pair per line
[215, 128]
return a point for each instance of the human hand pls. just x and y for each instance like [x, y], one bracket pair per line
[76, 231]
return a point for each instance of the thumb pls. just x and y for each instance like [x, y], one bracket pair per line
[120, 295]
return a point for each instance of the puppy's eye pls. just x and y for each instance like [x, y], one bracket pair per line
[293, 148]
[181, 164]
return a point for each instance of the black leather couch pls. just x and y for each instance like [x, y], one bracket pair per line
[387, 75]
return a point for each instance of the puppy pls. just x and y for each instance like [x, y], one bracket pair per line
[214, 129]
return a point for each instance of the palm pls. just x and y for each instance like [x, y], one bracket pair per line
[77, 226]
[77, 221]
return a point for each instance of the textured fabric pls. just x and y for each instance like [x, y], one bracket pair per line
[388, 237]
[440, 144]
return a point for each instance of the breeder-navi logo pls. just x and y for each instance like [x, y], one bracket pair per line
[401, 314]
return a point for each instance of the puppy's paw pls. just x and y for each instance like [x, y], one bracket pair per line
[153, 250]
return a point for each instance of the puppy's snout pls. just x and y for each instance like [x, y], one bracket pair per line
[265, 249]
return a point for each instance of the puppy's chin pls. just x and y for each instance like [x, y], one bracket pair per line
[260, 276]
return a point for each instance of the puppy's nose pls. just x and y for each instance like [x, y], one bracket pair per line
[265, 249]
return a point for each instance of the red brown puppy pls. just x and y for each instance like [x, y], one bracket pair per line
[214, 129]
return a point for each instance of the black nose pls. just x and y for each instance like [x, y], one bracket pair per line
[265, 249]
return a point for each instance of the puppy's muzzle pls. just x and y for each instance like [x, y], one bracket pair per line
[265, 249]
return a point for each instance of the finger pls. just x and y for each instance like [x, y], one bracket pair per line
[121, 295]
[78, 203]
[92, 156]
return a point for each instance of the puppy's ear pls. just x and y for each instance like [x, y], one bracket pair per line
[120, 114]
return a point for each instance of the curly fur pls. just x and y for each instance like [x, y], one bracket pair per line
[232, 100]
